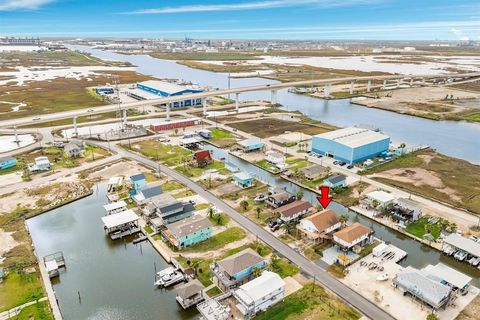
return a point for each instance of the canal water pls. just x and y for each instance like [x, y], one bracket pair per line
[114, 278]
[419, 255]
[457, 139]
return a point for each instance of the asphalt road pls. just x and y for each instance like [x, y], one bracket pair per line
[366, 307]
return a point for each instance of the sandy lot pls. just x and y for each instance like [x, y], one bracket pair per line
[124, 168]
[11, 178]
[6, 243]
[417, 177]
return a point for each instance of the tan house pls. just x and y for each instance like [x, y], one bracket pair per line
[315, 172]
[353, 235]
[319, 226]
[294, 210]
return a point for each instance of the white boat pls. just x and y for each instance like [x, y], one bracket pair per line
[474, 261]
[383, 277]
[260, 198]
[448, 250]
[168, 277]
[460, 255]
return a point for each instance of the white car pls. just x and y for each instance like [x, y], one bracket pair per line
[90, 110]
[36, 119]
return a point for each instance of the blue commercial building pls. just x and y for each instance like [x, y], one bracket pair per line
[7, 162]
[152, 89]
[351, 145]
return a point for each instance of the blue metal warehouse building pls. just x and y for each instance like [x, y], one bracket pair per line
[351, 144]
[154, 89]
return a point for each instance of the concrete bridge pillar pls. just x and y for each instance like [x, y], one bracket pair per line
[169, 106]
[423, 81]
[352, 87]
[369, 85]
[384, 86]
[16, 134]
[124, 118]
[327, 90]
[411, 82]
[274, 97]
[399, 82]
[75, 129]
[204, 102]
[236, 101]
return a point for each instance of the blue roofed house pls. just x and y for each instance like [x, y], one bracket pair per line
[337, 181]
[243, 179]
[7, 162]
[237, 269]
[147, 194]
[154, 88]
[138, 181]
[251, 144]
[188, 232]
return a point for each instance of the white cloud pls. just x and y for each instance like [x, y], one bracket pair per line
[464, 38]
[252, 6]
[10, 5]
[456, 32]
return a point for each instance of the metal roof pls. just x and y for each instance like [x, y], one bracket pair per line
[188, 226]
[381, 196]
[167, 87]
[242, 175]
[250, 142]
[260, 287]
[450, 275]
[115, 205]
[353, 137]
[240, 261]
[153, 191]
[418, 283]
[335, 179]
[190, 289]
[137, 177]
[118, 219]
[463, 243]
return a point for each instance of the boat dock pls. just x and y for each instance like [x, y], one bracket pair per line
[121, 224]
[53, 263]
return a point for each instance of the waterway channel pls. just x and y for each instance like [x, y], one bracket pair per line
[457, 139]
[114, 278]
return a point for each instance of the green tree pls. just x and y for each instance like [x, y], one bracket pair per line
[256, 272]
[289, 227]
[244, 204]
[299, 194]
[210, 212]
[432, 316]
[343, 219]
[258, 210]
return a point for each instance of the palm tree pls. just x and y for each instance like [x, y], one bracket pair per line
[259, 210]
[210, 212]
[256, 272]
[289, 227]
[343, 219]
[299, 195]
[244, 205]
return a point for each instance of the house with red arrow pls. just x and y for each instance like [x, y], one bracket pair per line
[320, 226]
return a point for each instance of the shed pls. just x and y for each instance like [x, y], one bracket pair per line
[380, 249]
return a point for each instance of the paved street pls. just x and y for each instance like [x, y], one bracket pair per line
[366, 307]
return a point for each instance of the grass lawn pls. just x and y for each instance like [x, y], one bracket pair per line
[219, 219]
[155, 150]
[284, 268]
[17, 289]
[267, 166]
[39, 311]
[202, 206]
[214, 291]
[272, 127]
[193, 172]
[222, 138]
[172, 186]
[461, 176]
[418, 228]
[310, 302]
[219, 240]
[204, 56]
[184, 194]
[297, 163]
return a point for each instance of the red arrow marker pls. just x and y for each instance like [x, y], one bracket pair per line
[324, 199]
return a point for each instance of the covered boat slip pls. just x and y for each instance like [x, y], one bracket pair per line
[468, 245]
[115, 207]
[121, 224]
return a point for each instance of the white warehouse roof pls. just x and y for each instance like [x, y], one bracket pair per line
[353, 137]
[168, 87]
[119, 219]
[260, 287]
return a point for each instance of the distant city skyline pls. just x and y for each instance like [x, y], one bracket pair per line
[244, 19]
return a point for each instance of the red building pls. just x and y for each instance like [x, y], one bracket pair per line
[202, 158]
[169, 125]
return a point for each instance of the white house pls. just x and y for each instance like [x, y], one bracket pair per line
[382, 198]
[276, 158]
[355, 234]
[259, 294]
[41, 164]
